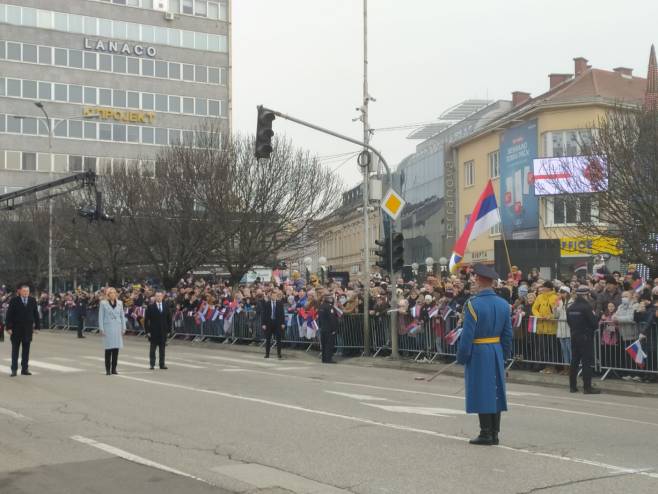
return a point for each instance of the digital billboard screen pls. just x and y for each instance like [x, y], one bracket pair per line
[570, 175]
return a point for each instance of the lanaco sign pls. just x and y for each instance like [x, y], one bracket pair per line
[119, 47]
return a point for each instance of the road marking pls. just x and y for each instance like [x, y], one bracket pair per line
[289, 368]
[241, 361]
[120, 363]
[397, 427]
[171, 362]
[521, 393]
[54, 367]
[63, 359]
[134, 458]
[13, 415]
[357, 397]
[233, 369]
[432, 412]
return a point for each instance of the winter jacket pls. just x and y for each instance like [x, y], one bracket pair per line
[543, 309]
[625, 317]
[560, 314]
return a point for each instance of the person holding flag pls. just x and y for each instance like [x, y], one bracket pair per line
[485, 342]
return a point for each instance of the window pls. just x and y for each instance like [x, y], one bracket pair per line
[161, 136]
[174, 137]
[75, 129]
[567, 142]
[105, 131]
[75, 163]
[148, 102]
[174, 104]
[13, 160]
[29, 162]
[201, 106]
[133, 99]
[494, 166]
[469, 173]
[44, 19]
[75, 93]
[2, 49]
[174, 70]
[61, 57]
[148, 67]
[61, 92]
[213, 10]
[60, 128]
[105, 62]
[188, 6]
[213, 108]
[75, 59]
[44, 162]
[105, 97]
[119, 98]
[30, 126]
[91, 130]
[188, 72]
[133, 65]
[119, 133]
[562, 211]
[161, 69]
[133, 133]
[118, 166]
[147, 135]
[14, 124]
[45, 90]
[148, 168]
[494, 230]
[30, 53]
[30, 89]
[13, 51]
[119, 64]
[105, 166]
[60, 163]
[90, 95]
[14, 88]
[45, 55]
[201, 73]
[105, 28]
[161, 101]
[213, 75]
[90, 60]
[201, 8]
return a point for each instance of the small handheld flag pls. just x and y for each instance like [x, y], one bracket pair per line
[453, 336]
[532, 324]
[637, 354]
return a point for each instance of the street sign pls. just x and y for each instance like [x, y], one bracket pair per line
[392, 204]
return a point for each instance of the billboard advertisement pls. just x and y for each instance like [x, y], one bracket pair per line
[570, 175]
[519, 207]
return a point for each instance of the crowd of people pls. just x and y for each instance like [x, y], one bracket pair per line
[428, 311]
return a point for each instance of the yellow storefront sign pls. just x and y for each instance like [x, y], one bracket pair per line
[119, 115]
[589, 246]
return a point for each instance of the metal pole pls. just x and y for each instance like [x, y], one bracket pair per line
[366, 192]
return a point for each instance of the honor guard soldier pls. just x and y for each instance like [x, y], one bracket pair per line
[582, 323]
[486, 340]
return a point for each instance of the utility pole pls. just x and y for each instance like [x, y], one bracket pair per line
[366, 192]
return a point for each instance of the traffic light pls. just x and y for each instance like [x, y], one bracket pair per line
[383, 254]
[398, 252]
[264, 133]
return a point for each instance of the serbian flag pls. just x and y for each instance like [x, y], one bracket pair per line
[637, 354]
[433, 313]
[413, 312]
[638, 285]
[452, 337]
[484, 216]
[532, 324]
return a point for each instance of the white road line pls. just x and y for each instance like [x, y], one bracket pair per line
[241, 361]
[233, 369]
[54, 367]
[120, 363]
[428, 411]
[357, 397]
[171, 362]
[404, 428]
[134, 458]
[13, 415]
[289, 368]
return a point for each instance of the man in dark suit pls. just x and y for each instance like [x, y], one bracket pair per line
[273, 320]
[22, 319]
[328, 322]
[157, 323]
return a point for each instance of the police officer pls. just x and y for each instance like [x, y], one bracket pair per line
[485, 342]
[581, 320]
[328, 322]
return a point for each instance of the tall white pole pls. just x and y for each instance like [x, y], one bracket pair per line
[366, 193]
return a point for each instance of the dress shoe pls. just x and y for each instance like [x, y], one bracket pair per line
[13, 374]
[108, 373]
[163, 367]
[592, 391]
[115, 372]
[152, 367]
[267, 356]
[573, 390]
[484, 439]
[494, 439]
[26, 373]
[81, 336]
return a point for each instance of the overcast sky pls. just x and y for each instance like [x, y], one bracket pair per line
[304, 57]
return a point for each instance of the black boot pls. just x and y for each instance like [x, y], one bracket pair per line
[486, 431]
[588, 388]
[573, 379]
[108, 356]
[495, 417]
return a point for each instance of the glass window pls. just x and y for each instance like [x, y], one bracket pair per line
[13, 51]
[213, 10]
[60, 163]
[2, 49]
[147, 67]
[213, 75]
[45, 55]
[174, 104]
[201, 73]
[133, 99]
[148, 168]
[29, 17]
[119, 29]
[147, 135]
[14, 88]
[213, 108]
[188, 72]
[61, 92]
[133, 133]
[174, 6]
[558, 211]
[161, 136]
[29, 162]
[469, 173]
[174, 137]
[161, 69]
[105, 97]
[60, 128]
[75, 59]
[119, 64]
[119, 133]
[13, 160]
[61, 57]
[75, 129]
[14, 124]
[161, 102]
[160, 35]
[119, 98]
[44, 162]
[173, 36]
[105, 131]
[105, 166]
[29, 53]
[201, 41]
[75, 163]
[201, 106]
[90, 26]
[30, 89]
[75, 93]
[148, 101]
[90, 95]
[216, 43]
[91, 130]
[118, 166]
[494, 169]
[132, 31]
[105, 28]
[30, 126]
[148, 34]
[188, 6]
[105, 62]
[61, 21]
[45, 90]
[90, 163]
[90, 60]
[188, 105]
[75, 23]
[2, 86]
[133, 65]
[43, 128]
[174, 70]
[201, 8]
[2, 129]
[188, 39]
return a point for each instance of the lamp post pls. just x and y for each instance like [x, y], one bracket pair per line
[429, 262]
[307, 263]
[444, 265]
[323, 267]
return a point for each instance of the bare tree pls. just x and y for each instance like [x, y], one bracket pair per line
[618, 175]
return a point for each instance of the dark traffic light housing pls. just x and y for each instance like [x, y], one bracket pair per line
[383, 254]
[264, 133]
[398, 252]
[390, 252]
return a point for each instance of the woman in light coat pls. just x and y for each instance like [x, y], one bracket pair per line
[112, 324]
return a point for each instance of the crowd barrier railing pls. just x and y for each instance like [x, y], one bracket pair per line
[611, 342]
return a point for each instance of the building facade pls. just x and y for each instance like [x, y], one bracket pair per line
[104, 84]
[557, 123]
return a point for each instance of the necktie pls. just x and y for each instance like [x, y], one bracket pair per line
[24, 301]
[160, 307]
[273, 310]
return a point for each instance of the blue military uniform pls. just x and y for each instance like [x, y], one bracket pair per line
[485, 342]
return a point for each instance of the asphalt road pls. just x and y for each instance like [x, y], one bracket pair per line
[221, 421]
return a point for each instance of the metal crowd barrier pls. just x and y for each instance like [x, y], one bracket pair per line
[610, 344]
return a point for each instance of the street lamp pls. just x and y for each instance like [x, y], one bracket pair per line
[307, 263]
[444, 265]
[429, 262]
[414, 269]
[323, 267]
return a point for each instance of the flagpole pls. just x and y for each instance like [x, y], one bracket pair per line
[502, 231]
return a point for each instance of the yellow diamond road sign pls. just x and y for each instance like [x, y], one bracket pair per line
[392, 204]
